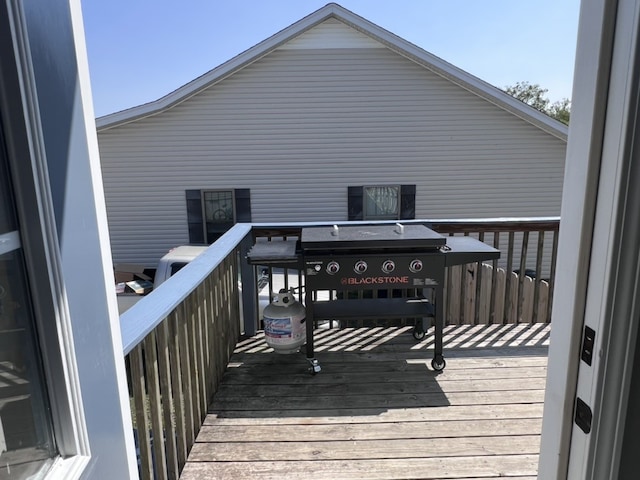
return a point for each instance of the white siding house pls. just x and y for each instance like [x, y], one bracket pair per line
[295, 127]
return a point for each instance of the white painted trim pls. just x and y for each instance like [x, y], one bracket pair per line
[582, 170]
[580, 279]
[86, 104]
[612, 302]
[395, 43]
[64, 386]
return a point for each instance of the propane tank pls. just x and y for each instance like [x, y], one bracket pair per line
[284, 327]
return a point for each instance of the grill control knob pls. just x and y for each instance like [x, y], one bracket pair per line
[415, 266]
[332, 268]
[360, 266]
[388, 266]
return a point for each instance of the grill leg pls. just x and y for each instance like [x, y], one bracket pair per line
[438, 362]
[314, 366]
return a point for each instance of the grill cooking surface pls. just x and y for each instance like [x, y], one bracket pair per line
[371, 237]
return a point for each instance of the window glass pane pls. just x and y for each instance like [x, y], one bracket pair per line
[7, 216]
[26, 438]
[381, 202]
[218, 213]
[25, 431]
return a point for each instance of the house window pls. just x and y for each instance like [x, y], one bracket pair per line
[381, 202]
[219, 213]
[210, 213]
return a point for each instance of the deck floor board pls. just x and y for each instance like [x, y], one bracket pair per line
[377, 410]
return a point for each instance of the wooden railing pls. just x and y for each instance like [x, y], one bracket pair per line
[178, 340]
[518, 288]
[177, 343]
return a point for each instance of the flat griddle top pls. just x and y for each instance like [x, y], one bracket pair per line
[364, 237]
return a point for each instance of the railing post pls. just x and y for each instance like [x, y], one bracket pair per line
[249, 298]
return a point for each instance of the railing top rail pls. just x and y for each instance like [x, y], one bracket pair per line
[497, 224]
[449, 225]
[137, 322]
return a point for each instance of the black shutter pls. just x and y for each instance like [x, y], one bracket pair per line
[243, 205]
[354, 203]
[407, 202]
[195, 221]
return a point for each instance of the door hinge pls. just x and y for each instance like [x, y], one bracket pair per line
[583, 415]
[588, 341]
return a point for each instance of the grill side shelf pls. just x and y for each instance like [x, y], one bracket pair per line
[277, 253]
[463, 250]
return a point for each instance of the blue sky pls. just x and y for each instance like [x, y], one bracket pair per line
[140, 50]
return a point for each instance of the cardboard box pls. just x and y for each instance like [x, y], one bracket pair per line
[122, 277]
[126, 272]
[141, 287]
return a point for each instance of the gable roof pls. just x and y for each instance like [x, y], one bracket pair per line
[393, 42]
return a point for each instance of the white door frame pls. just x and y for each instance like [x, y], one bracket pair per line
[597, 272]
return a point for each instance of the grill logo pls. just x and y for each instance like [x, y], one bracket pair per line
[381, 280]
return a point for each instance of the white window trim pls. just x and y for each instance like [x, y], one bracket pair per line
[39, 244]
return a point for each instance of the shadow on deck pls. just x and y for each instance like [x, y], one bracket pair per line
[377, 410]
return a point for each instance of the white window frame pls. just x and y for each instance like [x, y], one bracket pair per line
[48, 243]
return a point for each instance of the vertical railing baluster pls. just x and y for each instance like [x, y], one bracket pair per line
[450, 297]
[191, 320]
[522, 275]
[219, 319]
[176, 387]
[552, 275]
[138, 382]
[494, 279]
[210, 328]
[235, 297]
[185, 362]
[476, 319]
[537, 280]
[200, 337]
[169, 410]
[155, 412]
[463, 291]
[507, 284]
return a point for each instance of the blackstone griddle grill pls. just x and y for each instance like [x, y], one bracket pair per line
[378, 257]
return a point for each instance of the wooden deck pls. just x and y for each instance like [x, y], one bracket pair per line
[377, 410]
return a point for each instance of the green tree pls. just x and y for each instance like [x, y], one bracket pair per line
[536, 96]
[561, 110]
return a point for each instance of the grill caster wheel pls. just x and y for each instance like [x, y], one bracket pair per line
[418, 333]
[314, 367]
[438, 363]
